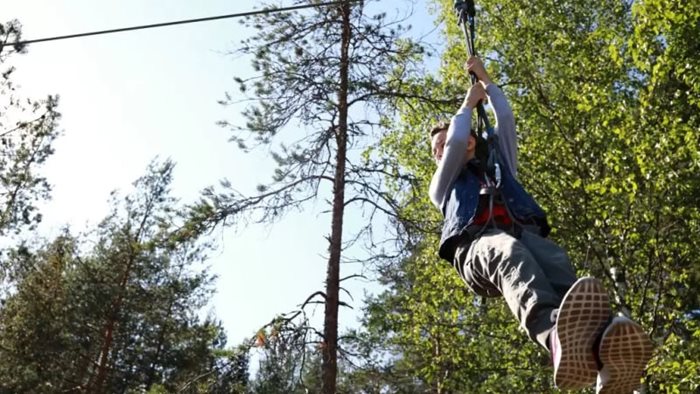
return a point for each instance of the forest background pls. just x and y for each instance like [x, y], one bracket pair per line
[328, 108]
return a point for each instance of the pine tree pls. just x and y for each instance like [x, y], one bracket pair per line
[27, 130]
[119, 310]
[316, 69]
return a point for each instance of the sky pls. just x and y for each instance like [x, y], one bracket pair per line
[130, 97]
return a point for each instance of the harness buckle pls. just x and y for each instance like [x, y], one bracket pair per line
[488, 190]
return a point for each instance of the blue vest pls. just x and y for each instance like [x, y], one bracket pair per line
[462, 204]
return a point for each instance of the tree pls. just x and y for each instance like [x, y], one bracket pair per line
[606, 97]
[35, 346]
[118, 311]
[665, 52]
[27, 130]
[283, 363]
[318, 68]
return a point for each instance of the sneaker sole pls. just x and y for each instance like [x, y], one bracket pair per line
[625, 350]
[584, 313]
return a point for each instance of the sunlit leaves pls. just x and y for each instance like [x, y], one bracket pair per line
[606, 101]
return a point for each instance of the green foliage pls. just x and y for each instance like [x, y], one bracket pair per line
[114, 311]
[438, 336]
[606, 101]
[27, 130]
[283, 360]
[117, 311]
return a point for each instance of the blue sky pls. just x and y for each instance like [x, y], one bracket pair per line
[129, 97]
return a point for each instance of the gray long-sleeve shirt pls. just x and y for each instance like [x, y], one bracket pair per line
[454, 156]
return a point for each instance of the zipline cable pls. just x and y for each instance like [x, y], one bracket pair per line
[180, 22]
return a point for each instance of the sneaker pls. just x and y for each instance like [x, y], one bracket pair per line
[625, 350]
[582, 317]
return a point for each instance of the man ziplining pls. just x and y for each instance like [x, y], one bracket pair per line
[494, 233]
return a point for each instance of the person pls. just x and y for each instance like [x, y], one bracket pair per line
[495, 235]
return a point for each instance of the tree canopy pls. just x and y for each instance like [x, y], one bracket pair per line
[606, 101]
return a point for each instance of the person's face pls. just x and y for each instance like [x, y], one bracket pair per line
[437, 143]
[438, 146]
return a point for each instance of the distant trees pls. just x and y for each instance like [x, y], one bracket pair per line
[117, 311]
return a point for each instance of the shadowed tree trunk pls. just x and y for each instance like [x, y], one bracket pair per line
[329, 77]
[329, 366]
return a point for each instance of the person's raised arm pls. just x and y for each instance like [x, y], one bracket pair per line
[505, 121]
[454, 155]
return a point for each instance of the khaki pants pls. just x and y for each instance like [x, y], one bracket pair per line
[531, 273]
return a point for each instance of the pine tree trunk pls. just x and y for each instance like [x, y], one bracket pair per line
[161, 342]
[111, 325]
[150, 380]
[95, 386]
[329, 367]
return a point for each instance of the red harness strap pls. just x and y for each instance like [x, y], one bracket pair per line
[500, 215]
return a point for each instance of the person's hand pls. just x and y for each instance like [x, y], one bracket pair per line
[476, 66]
[476, 93]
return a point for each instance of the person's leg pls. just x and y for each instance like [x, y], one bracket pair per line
[553, 260]
[625, 350]
[497, 260]
[581, 319]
